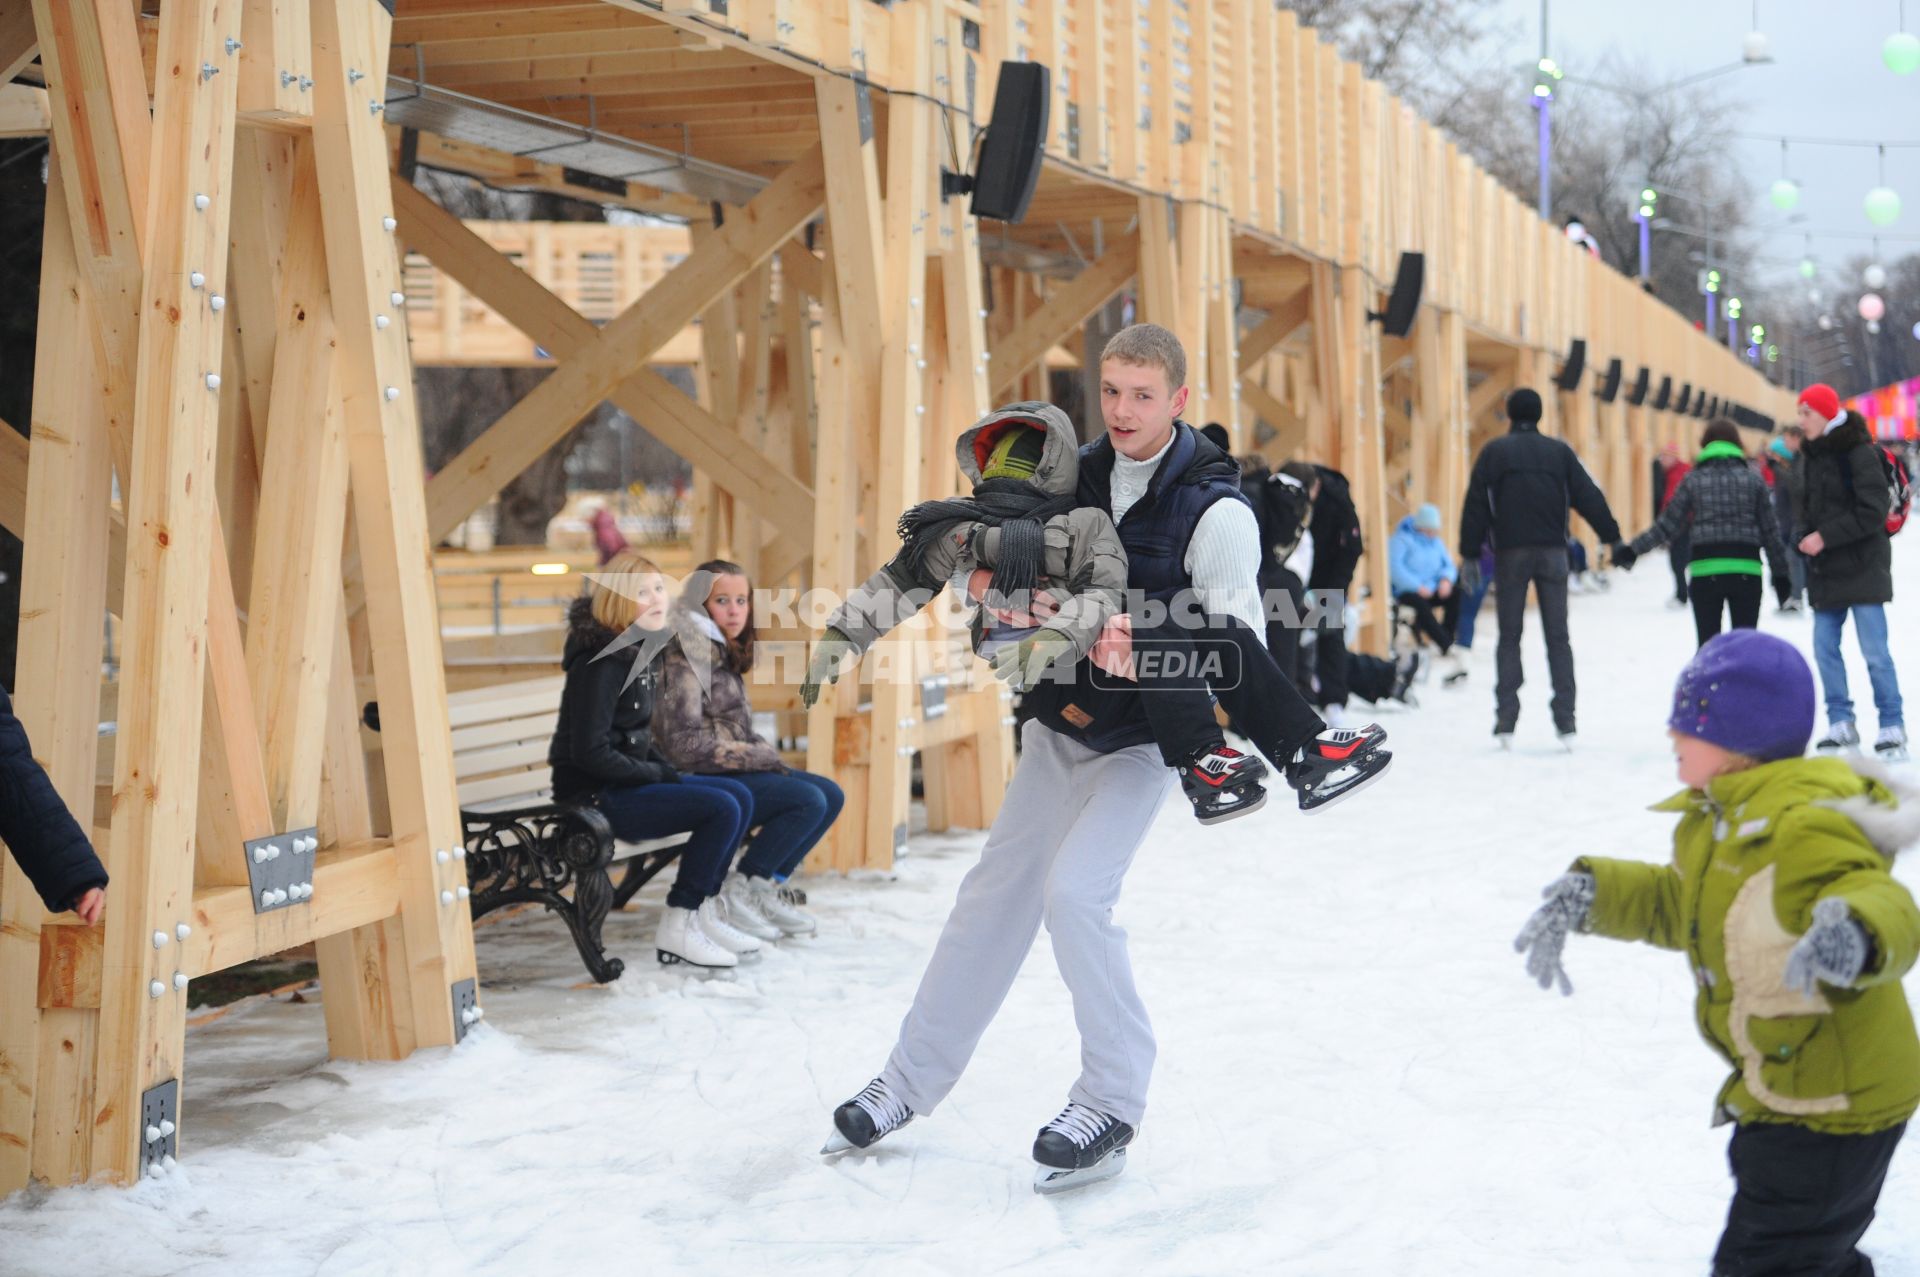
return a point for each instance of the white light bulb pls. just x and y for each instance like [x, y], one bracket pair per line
[197, 279]
[462, 892]
[397, 298]
[446, 897]
[213, 381]
[381, 322]
[387, 224]
[156, 989]
[202, 203]
[393, 393]
[217, 303]
[182, 931]
[179, 979]
[443, 856]
[159, 939]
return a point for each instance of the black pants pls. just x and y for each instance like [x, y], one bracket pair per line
[1371, 678]
[1739, 591]
[1801, 1201]
[1679, 552]
[1283, 635]
[1441, 627]
[1177, 666]
[1545, 568]
[1330, 651]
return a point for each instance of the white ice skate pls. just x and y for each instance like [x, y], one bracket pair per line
[791, 919]
[680, 939]
[1891, 746]
[1840, 737]
[715, 927]
[1082, 1146]
[738, 906]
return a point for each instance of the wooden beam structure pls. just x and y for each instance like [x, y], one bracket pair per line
[224, 342]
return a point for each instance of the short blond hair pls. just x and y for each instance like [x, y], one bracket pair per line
[613, 605]
[1149, 346]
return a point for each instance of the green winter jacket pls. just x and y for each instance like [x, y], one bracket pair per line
[1751, 856]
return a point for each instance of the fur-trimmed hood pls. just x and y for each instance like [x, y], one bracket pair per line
[1888, 813]
[1843, 438]
[1059, 468]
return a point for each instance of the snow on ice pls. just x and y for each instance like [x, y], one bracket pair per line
[1355, 1076]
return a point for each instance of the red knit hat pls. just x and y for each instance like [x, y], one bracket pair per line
[1823, 399]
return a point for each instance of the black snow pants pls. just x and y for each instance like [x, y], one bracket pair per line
[1801, 1201]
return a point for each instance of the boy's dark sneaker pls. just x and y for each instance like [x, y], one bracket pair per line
[1223, 783]
[1337, 763]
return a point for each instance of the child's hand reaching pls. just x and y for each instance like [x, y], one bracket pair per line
[825, 665]
[1568, 898]
[91, 905]
[1833, 950]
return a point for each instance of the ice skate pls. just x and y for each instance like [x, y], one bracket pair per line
[1405, 675]
[1566, 739]
[1336, 764]
[1223, 783]
[1503, 737]
[723, 933]
[1891, 745]
[1453, 670]
[1840, 736]
[768, 902]
[1082, 1146]
[872, 1115]
[681, 939]
[738, 906]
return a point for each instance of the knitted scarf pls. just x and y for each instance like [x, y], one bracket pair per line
[1014, 506]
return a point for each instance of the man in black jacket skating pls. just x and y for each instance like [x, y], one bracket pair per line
[1522, 486]
[1337, 547]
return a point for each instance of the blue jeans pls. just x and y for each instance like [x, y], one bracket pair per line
[713, 814]
[1870, 622]
[794, 811]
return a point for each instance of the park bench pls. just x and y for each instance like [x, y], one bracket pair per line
[521, 845]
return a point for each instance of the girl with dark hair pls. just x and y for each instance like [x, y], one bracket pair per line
[706, 728]
[1724, 509]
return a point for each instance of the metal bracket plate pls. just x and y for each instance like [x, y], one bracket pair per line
[280, 868]
[466, 1007]
[933, 696]
[158, 1134]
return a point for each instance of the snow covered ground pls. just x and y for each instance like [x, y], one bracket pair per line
[1354, 1076]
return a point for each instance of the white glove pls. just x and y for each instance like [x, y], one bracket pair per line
[1833, 950]
[1568, 898]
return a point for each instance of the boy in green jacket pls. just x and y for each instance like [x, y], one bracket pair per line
[1780, 894]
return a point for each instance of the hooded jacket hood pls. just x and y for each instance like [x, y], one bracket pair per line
[1883, 806]
[1059, 469]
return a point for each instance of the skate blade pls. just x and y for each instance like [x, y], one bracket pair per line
[836, 1143]
[1048, 1180]
[674, 959]
[1236, 812]
[1892, 755]
[1320, 805]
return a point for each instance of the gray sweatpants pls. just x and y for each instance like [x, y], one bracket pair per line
[1066, 833]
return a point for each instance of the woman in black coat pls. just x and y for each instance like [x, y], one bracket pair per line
[603, 754]
[45, 839]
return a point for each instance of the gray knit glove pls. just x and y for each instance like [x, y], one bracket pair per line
[1833, 950]
[1568, 898]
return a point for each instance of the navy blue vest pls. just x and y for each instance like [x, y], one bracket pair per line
[1155, 530]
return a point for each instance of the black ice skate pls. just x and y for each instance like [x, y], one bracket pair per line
[1223, 783]
[1081, 1146]
[867, 1118]
[1336, 764]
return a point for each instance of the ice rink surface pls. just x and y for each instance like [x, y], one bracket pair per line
[1354, 1077]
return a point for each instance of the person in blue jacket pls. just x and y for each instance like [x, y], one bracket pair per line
[41, 833]
[1425, 579]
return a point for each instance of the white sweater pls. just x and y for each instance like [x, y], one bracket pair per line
[1223, 554]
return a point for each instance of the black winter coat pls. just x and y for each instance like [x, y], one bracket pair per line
[1522, 486]
[37, 827]
[603, 738]
[1843, 495]
[1337, 544]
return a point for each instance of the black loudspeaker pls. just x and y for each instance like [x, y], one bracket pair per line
[1700, 404]
[1665, 396]
[1010, 156]
[1684, 404]
[1404, 302]
[1637, 395]
[1609, 388]
[1569, 376]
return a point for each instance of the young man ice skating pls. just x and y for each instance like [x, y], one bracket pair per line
[1082, 798]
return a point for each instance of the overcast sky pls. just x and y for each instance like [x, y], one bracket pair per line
[1827, 80]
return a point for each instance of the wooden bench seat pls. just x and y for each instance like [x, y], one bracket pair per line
[522, 846]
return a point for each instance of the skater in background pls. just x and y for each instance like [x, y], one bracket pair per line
[45, 839]
[1337, 547]
[1083, 796]
[1283, 503]
[1727, 513]
[1782, 460]
[1779, 891]
[1669, 472]
[1424, 581]
[1842, 505]
[704, 726]
[608, 540]
[1519, 496]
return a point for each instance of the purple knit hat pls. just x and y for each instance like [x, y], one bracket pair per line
[1747, 692]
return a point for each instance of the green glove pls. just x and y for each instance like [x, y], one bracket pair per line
[1021, 664]
[825, 665]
